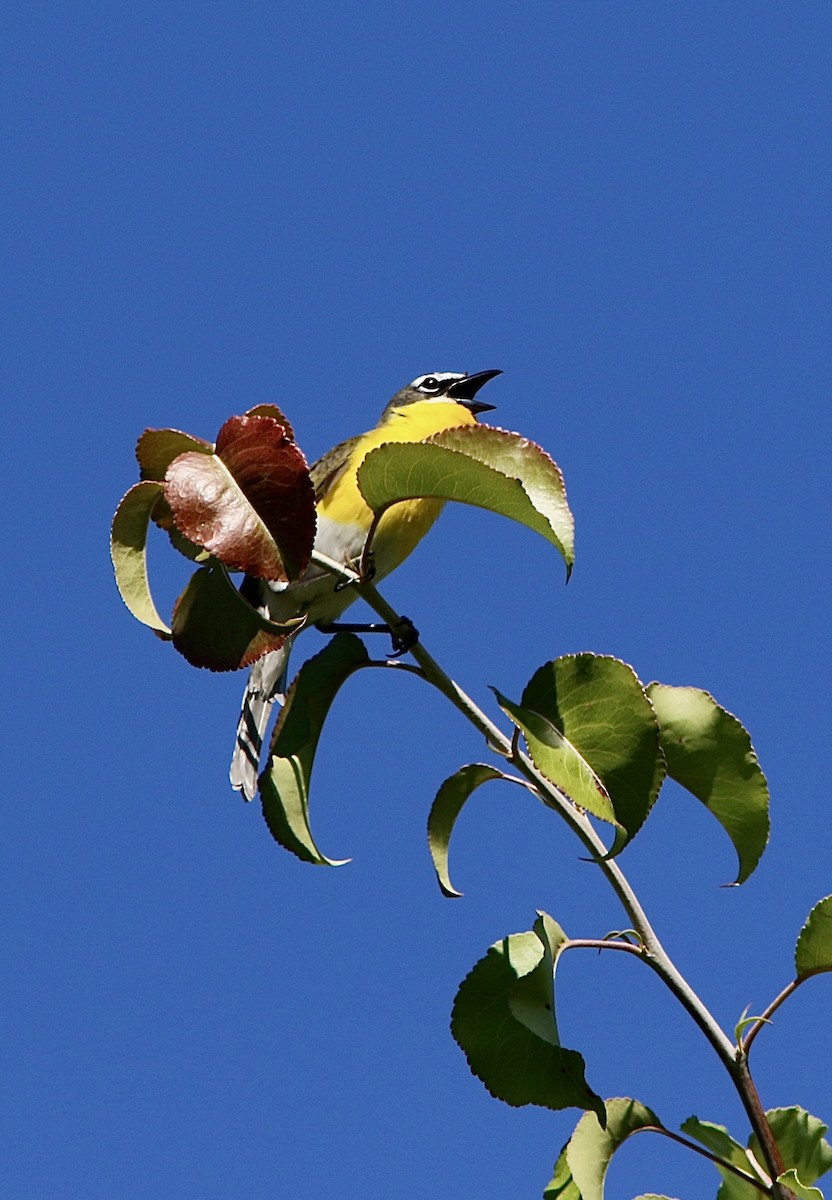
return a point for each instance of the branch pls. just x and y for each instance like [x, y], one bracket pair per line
[652, 950]
[655, 954]
[763, 1019]
[723, 1163]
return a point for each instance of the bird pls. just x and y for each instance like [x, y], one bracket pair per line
[429, 405]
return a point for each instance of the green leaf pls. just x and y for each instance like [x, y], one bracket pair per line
[718, 1140]
[813, 952]
[157, 448]
[803, 1192]
[557, 759]
[504, 1021]
[128, 550]
[598, 706]
[444, 811]
[710, 753]
[800, 1139]
[284, 785]
[215, 627]
[743, 1024]
[479, 465]
[581, 1168]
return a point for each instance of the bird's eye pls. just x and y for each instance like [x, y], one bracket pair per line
[431, 384]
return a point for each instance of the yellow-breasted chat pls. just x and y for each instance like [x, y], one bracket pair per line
[428, 405]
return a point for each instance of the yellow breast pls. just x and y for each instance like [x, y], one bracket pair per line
[405, 524]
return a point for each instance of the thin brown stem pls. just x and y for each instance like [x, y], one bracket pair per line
[760, 1184]
[759, 1121]
[766, 1016]
[603, 944]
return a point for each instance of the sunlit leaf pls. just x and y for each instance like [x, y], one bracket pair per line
[479, 465]
[581, 1168]
[710, 753]
[272, 474]
[801, 1190]
[718, 1140]
[251, 504]
[128, 549]
[559, 761]
[284, 785]
[444, 811]
[813, 952]
[800, 1139]
[504, 1021]
[215, 627]
[156, 449]
[744, 1023]
[598, 706]
[271, 410]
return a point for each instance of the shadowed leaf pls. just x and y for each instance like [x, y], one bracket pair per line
[710, 753]
[215, 627]
[157, 448]
[128, 549]
[504, 1021]
[444, 811]
[284, 785]
[581, 1168]
[479, 465]
[813, 952]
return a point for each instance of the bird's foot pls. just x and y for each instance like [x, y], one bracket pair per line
[365, 569]
[404, 636]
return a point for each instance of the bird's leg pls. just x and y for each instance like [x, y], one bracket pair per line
[366, 568]
[404, 636]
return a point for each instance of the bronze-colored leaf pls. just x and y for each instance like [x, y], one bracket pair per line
[251, 504]
[215, 627]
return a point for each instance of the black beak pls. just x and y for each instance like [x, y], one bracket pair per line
[464, 391]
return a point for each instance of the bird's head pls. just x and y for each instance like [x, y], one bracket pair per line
[445, 386]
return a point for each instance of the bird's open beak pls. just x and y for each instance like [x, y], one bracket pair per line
[464, 391]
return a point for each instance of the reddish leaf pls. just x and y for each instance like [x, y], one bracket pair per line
[271, 410]
[251, 504]
[272, 474]
[214, 627]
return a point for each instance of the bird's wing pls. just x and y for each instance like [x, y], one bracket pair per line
[331, 466]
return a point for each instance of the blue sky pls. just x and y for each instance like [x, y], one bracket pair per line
[625, 206]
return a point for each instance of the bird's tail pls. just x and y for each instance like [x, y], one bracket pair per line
[266, 686]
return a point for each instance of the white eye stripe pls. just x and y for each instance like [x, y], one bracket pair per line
[437, 381]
